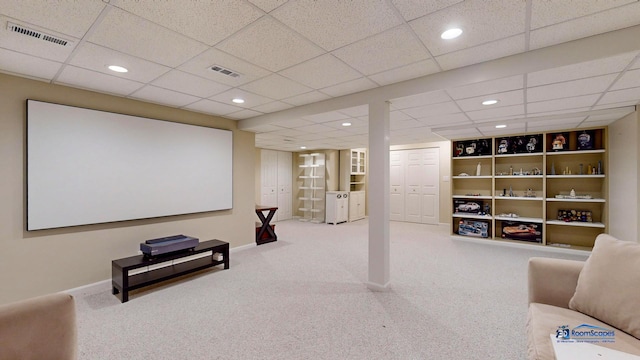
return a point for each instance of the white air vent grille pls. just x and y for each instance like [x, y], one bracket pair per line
[37, 34]
[225, 71]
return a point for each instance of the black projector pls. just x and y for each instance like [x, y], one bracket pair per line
[169, 244]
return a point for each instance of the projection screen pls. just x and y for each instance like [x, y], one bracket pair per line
[88, 167]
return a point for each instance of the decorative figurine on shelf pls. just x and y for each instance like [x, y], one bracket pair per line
[553, 168]
[511, 191]
[531, 145]
[503, 147]
[510, 170]
[536, 171]
[585, 140]
[599, 167]
[558, 142]
[487, 209]
[572, 193]
[479, 169]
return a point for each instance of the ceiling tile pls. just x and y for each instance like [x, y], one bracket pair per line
[338, 123]
[270, 45]
[496, 112]
[570, 88]
[323, 21]
[407, 72]
[515, 128]
[412, 9]
[381, 52]
[265, 133]
[362, 110]
[432, 110]
[326, 117]
[268, 5]
[25, 65]
[86, 79]
[133, 35]
[565, 112]
[163, 96]
[509, 98]
[272, 107]
[189, 84]
[226, 16]
[459, 133]
[398, 116]
[616, 104]
[243, 114]
[632, 94]
[589, 25]
[405, 124]
[477, 54]
[561, 104]
[337, 134]
[212, 107]
[29, 45]
[97, 58]
[628, 80]
[349, 87]
[312, 136]
[482, 21]
[54, 15]
[288, 132]
[307, 98]
[449, 119]
[545, 12]
[201, 66]
[487, 87]
[612, 116]
[276, 87]
[432, 97]
[320, 72]
[581, 70]
[556, 124]
[250, 99]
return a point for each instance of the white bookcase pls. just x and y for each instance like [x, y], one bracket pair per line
[312, 187]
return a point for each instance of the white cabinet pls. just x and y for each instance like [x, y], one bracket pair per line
[275, 182]
[353, 169]
[337, 207]
[414, 180]
[357, 206]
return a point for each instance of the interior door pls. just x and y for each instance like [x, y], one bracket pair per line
[430, 186]
[413, 186]
[284, 185]
[396, 178]
[269, 178]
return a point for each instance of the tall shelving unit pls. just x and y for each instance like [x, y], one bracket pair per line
[537, 186]
[353, 163]
[312, 189]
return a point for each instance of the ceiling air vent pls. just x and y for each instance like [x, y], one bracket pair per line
[225, 71]
[37, 34]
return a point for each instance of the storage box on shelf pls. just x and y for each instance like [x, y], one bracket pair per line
[528, 181]
[311, 190]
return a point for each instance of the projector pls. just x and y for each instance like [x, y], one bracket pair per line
[169, 244]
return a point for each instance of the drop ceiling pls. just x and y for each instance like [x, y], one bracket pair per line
[307, 67]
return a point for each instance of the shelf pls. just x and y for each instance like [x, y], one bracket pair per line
[303, 209]
[303, 198]
[471, 177]
[576, 223]
[518, 155]
[472, 157]
[486, 197]
[316, 199]
[521, 218]
[574, 176]
[577, 200]
[518, 198]
[575, 152]
[471, 216]
[518, 176]
[357, 183]
[567, 246]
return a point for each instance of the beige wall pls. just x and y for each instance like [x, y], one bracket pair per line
[40, 262]
[623, 174]
[445, 171]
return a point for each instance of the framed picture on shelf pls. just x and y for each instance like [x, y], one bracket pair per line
[585, 139]
[560, 141]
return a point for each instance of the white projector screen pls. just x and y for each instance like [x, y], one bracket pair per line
[88, 167]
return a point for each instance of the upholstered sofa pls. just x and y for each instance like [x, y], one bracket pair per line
[602, 291]
[39, 328]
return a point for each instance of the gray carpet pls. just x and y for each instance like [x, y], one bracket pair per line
[304, 297]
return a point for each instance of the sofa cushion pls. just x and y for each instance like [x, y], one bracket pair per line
[543, 320]
[609, 284]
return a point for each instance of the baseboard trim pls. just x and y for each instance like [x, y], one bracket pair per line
[523, 246]
[377, 287]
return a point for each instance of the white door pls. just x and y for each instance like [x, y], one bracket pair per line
[396, 178]
[284, 185]
[413, 185]
[268, 178]
[430, 185]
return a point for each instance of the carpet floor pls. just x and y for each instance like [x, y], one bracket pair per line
[304, 297]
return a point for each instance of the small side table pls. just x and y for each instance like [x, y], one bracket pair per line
[266, 227]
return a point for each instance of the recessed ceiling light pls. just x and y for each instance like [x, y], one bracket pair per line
[117, 68]
[303, 147]
[346, 124]
[451, 34]
[238, 101]
[490, 102]
[501, 126]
